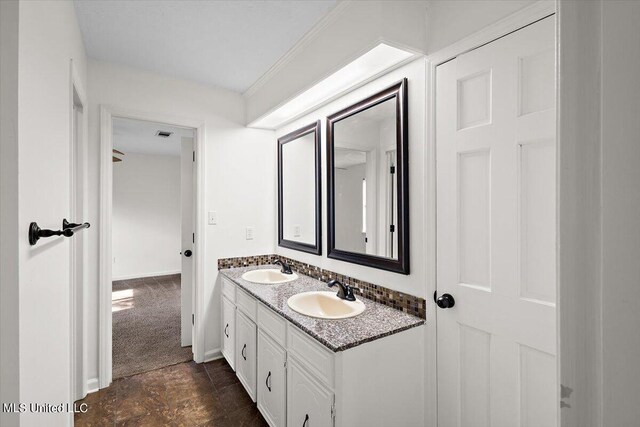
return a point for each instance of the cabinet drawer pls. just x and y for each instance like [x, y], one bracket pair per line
[247, 304]
[229, 289]
[272, 324]
[317, 359]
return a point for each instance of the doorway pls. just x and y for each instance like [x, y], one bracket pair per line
[496, 232]
[150, 258]
[152, 244]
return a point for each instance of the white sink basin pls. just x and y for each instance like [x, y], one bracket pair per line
[269, 276]
[325, 305]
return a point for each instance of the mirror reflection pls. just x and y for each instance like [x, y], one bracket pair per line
[365, 182]
[298, 160]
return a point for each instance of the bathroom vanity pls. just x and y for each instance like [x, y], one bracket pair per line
[303, 371]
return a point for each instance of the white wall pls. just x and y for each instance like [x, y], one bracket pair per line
[9, 288]
[239, 164]
[599, 201]
[146, 232]
[579, 231]
[49, 38]
[416, 282]
[620, 212]
[449, 21]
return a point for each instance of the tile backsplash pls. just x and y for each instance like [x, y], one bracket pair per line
[400, 301]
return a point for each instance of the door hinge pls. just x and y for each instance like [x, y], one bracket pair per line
[194, 156]
[392, 228]
[285, 363]
[193, 319]
[333, 411]
[392, 170]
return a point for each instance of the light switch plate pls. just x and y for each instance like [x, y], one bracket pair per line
[249, 233]
[213, 218]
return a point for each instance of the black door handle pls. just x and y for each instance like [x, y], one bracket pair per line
[188, 253]
[225, 330]
[266, 382]
[242, 352]
[306, 420]
[444, 301]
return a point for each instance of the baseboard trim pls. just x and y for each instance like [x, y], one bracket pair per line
[143, 275]
[93, 385]
[214, 354]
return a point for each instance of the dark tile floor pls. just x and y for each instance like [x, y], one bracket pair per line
[187, 394]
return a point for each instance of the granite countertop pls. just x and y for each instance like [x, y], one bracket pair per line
[375, 322]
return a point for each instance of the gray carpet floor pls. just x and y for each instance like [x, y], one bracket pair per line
[146, 325]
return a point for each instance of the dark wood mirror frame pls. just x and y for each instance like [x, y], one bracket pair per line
[400, 265]
[305, 247]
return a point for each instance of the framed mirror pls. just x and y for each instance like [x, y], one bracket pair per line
[299, 220]
[368, 181]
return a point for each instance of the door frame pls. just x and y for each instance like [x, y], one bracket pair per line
[107, 114]
[78, 312]
[527, 16]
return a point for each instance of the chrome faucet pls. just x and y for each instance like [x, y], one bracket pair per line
[286, 268]
[345, 292]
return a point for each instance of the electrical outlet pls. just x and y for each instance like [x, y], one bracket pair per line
[297, 231]
[249, 233]
[213, 218]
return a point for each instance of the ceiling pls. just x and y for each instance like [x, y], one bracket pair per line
[229, 44]
[139, 137]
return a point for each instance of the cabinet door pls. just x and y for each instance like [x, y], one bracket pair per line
[272, 380]
[309, 404]
[246, 353]
[229, 332]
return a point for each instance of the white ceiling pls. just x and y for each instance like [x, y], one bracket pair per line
[137, 136]
[224, 43]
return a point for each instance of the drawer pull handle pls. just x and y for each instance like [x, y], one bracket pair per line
[306, 420]
[267, 382]
[225, 330]
[243, 352]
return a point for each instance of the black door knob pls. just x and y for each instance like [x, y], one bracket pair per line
[188, 253]
[446, 301]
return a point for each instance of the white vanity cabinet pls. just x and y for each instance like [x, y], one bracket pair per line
[299, 382]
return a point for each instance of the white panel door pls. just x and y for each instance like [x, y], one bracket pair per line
[246, 353]
[187, 182]
[496, 235]
[272, 381]
[309, 404]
